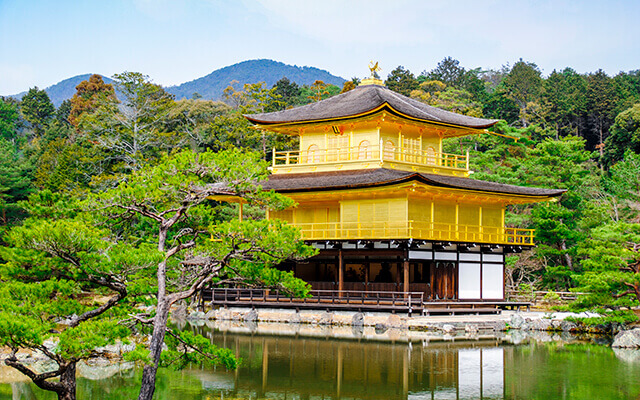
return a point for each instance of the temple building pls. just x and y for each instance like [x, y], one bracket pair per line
[387, 209]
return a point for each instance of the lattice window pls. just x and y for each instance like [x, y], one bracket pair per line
[338, 147]
[389, 150]
[364, 150]
[313, 154]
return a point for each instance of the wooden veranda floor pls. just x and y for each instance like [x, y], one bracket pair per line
[347, 300]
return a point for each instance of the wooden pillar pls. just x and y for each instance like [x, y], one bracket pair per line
[405, 373]
[339, 367]
[240, 211]
[340, 273]
[265, 364]
[405, 272]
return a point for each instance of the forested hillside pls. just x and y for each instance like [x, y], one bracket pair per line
[211, 86]
[579, 132]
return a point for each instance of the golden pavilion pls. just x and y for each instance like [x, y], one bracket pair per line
[387, 209]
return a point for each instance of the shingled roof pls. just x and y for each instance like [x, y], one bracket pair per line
[350, 179]
[364, 100]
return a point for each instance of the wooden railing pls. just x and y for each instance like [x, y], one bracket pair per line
[541, 296]
[369, 153]
[415, 230]
[331, 299]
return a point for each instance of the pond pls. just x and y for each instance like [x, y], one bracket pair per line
[313, 363]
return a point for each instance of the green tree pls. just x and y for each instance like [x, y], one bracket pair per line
[134, 129]
[499, 105]
[54, 261]
[601, 102]
[37, 109]
[447, 71]
[563, 102]
[612, 267]
[624, 135]
[402, 81]
[523, 84]
[15, 181]
[8, 119]
[288, 91]
[439, 95]
[173, 198]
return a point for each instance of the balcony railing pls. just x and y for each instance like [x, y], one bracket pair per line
[415, 230]
[361, 153]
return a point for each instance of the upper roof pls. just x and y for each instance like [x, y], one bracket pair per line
[381, 176]
[365, 100]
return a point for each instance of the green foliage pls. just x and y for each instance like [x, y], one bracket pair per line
[8, 119]
[611, 262]
[37, 108]
[15, 184]
[625, 135]
[186, 348]
[607, 317]
[132, 131]
[401, 80]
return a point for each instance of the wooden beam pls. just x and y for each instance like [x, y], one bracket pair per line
[340, 273]
[405, 272]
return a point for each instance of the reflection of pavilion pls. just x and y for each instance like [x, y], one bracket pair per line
[289, 367]
[386, 207]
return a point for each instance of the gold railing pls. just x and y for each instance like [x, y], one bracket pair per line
[415, 230]
[369, 153]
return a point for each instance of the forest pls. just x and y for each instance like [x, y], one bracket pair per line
[87, 188]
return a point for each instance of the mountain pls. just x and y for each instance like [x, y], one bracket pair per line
[65, 89]
[212, 85]
[252, 71]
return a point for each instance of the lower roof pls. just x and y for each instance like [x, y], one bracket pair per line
[351, 179]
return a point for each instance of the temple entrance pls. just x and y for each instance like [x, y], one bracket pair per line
[438, 280]
[444, 282]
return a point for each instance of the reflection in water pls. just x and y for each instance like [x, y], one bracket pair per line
[306, 367]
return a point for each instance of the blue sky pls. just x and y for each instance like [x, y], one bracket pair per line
[45, 41]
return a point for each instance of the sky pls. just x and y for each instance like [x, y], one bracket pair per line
[173, 41]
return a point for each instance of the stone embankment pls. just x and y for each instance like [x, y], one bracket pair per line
[457, 324]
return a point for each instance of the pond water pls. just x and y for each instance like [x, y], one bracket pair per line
[320, 366]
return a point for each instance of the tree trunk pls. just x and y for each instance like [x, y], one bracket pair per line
[68, 383]
[567, 257]
[157, 339]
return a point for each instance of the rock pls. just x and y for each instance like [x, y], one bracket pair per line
[517, 336]
[381, 328]
[627, 339]
[500, 326]
[223, 314]
[516, 321]
[555, 324]
[179, 312]
[101, 369]
[357, 331]
[326, 318]
[210, 315]
[295, 318]
[541, 324]
[394, 321]
[357, 319]
[251, 316]
[448, 329]
[627, 355]
[568, 326]
[196, 315]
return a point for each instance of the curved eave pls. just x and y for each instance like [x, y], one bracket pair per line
[281, 125]
[428, 182]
